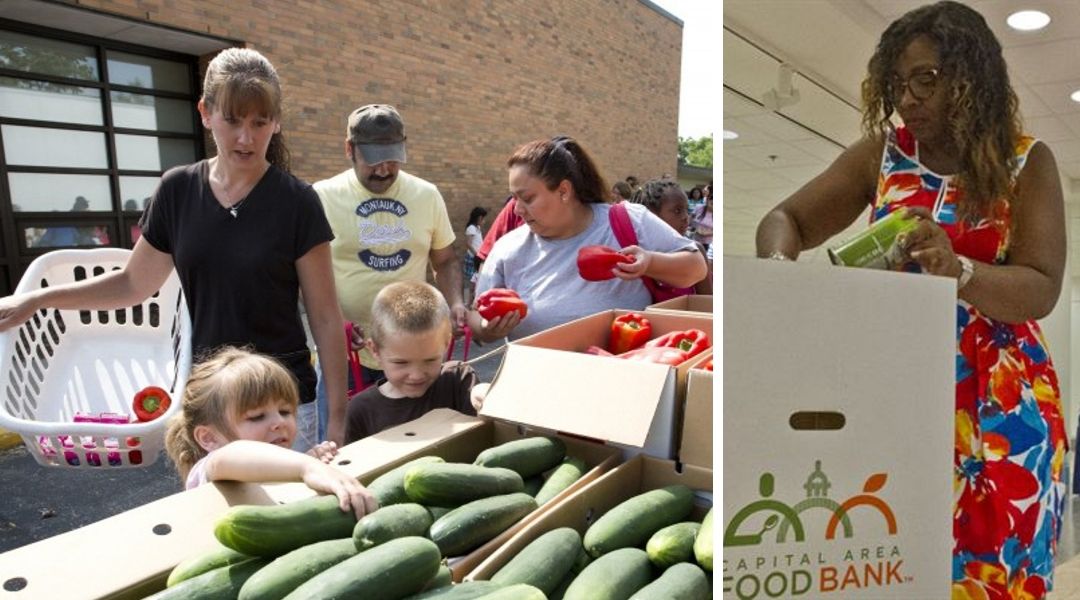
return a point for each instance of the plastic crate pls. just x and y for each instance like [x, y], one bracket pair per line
[64, 363]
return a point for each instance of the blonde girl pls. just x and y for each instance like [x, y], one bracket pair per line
[238, 423]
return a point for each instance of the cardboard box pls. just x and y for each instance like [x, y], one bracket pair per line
[838, 432]
[145, 543]
[129, 555]
[579, 511]
[547, 380]
[701, 303]
[466, 445]
[696, 433]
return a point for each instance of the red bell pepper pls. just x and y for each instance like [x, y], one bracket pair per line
[628, 332]
[497, 302]
[707, 366]
[660, 355]
[150, 403]
[692, 341]
[595, 263]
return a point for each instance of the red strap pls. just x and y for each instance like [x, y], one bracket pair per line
[626, 236]
[354, 361]
[621, 225]
[453, 342]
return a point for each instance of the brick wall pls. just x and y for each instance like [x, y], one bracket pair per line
[472, 78]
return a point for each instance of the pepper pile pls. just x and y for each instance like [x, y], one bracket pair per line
[632, 331]
[497, 302]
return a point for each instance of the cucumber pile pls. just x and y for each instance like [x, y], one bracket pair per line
[642, 549]
[430, 510]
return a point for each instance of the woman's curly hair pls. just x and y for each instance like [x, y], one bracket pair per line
[983, 119]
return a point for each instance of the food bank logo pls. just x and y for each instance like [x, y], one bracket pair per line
[780, 569]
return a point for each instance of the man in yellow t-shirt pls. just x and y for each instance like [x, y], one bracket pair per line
[388, 226]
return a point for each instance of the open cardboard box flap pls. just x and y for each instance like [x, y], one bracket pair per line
[696, 441]
[547, 380]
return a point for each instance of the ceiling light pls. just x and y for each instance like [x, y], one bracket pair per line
[1075, 96]
[1028, 20]
[731, 135]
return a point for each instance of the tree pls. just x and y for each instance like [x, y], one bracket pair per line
[696, 152]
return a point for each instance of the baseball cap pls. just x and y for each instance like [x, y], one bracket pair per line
[378, 132]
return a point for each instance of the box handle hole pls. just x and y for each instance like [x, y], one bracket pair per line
[15, 584]
[817, 420]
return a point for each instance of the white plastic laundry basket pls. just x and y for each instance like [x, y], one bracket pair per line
[66, 362]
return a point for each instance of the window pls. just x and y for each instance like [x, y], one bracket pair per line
[87, 127]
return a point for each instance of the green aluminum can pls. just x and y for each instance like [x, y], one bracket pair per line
[876, 248]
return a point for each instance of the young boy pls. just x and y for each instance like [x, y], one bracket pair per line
[410, 331]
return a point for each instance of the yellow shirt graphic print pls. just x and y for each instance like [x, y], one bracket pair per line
[382, 233]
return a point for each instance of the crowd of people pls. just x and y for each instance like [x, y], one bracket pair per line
[257, 250]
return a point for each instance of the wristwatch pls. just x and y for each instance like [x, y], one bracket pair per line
[967, 271]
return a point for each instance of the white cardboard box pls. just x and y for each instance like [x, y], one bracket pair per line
[863, 511]
[702, 303]
[129, 555]
[547, 380]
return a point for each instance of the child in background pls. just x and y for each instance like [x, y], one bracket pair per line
[667, 200]
[238, 423]
[409, 335]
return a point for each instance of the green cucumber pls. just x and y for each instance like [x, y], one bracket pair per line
[685, 581]
[389, 488]
[201, 563]
[518, 591]
[561, 478]
[454, 484]
[468, 527]
[614, 576]
[392, 522]
[466, 590]
[632, 523]
[276, 529]
[703, 544]
[396, 569]
[438, 511]
[277, 579]
[560, 591]
[533, 485]
[222, 582]
[528, 456]
[543, 563]
[582, 561]
[444, 578]
[673, 544]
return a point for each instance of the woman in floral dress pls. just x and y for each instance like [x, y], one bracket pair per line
[991, 215]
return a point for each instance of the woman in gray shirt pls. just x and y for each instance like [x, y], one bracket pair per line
[563, 200]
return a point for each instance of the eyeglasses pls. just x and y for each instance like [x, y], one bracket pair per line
[922, 86]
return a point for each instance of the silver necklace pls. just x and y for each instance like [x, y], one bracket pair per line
[234, 207]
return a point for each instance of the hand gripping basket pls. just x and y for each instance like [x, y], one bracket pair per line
[65, 364]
